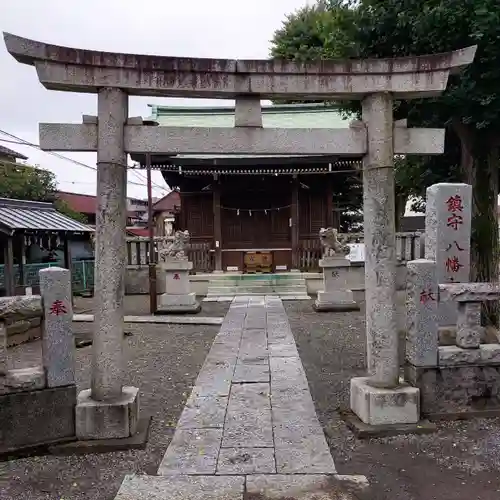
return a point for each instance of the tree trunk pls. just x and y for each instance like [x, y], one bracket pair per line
[480, 163]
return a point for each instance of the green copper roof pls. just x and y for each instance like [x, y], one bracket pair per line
[279, 116]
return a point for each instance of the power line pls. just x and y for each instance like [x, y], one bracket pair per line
[21, 141]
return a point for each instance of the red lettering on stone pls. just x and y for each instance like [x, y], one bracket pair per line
[58, 308]
[426, 296]
[176, 276]
[453, 265]
[454, 203]
[454, 221]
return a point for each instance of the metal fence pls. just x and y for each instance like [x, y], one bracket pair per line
[82, 273]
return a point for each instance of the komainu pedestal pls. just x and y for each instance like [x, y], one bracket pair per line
[177, 297]
[335, 296]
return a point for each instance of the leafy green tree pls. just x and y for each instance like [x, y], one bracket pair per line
[469, 109]
[325, 30]
[24, 182]
[64, 208]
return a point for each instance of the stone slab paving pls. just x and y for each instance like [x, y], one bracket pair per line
[249, 426]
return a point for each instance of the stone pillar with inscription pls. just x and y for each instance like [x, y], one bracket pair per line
[447, 239]
[421, 316]
[177, 297]
[58, 343]
[335, 296]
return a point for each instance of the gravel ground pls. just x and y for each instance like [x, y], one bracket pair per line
[137, 305]
[459, 462]
[163, 361]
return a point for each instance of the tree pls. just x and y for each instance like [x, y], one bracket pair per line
[325, 30]
[24, 182]
[469, 109]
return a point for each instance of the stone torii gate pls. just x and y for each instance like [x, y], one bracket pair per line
[114, 77]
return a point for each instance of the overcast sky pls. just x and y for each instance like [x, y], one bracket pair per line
[197, 28]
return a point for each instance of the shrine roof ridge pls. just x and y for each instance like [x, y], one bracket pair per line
[315, 107]
[30, 52]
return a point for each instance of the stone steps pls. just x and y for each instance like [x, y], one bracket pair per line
[298, 282]
[261, 290]
[285, 286]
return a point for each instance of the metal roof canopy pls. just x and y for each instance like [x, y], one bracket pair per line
[20, 215]
[10, 152]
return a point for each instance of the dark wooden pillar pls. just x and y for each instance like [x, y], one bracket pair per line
[68, 261]
[67, 252]
[330, 222]
[295, 223]
[217, 224]
[22, 261]
[9, 267]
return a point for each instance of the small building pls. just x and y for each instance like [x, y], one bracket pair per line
[86, 204]
[9, 155]
[34, 235]
[234, 205]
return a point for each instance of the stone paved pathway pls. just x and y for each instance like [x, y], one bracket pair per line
[249, 426]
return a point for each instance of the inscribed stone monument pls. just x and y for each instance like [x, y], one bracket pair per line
[447, 238]
[57, 337]
[422, 302]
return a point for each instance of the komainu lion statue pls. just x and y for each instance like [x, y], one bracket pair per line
[174, 249]
[331, 244]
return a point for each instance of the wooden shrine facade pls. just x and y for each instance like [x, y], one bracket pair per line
[235, 206]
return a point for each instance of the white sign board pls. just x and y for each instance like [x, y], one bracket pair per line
[357, 253]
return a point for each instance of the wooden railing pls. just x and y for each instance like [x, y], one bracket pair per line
[138, 250]
[409, 246]
[202, 257]
[199, 254]
[310, 252]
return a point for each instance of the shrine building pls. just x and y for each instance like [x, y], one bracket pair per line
[236, 205]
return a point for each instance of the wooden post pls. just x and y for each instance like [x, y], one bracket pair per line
[22, 261]
[151, 260]
[329, 202]
[294, 217]
[9, 267]
[217, 225]
[68, 264]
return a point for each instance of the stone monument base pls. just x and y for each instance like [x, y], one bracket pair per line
[107, 419]
[34, 419]
[457, 392]
[175, 304]
[336, 296]
[380, 406]
[338, 301]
